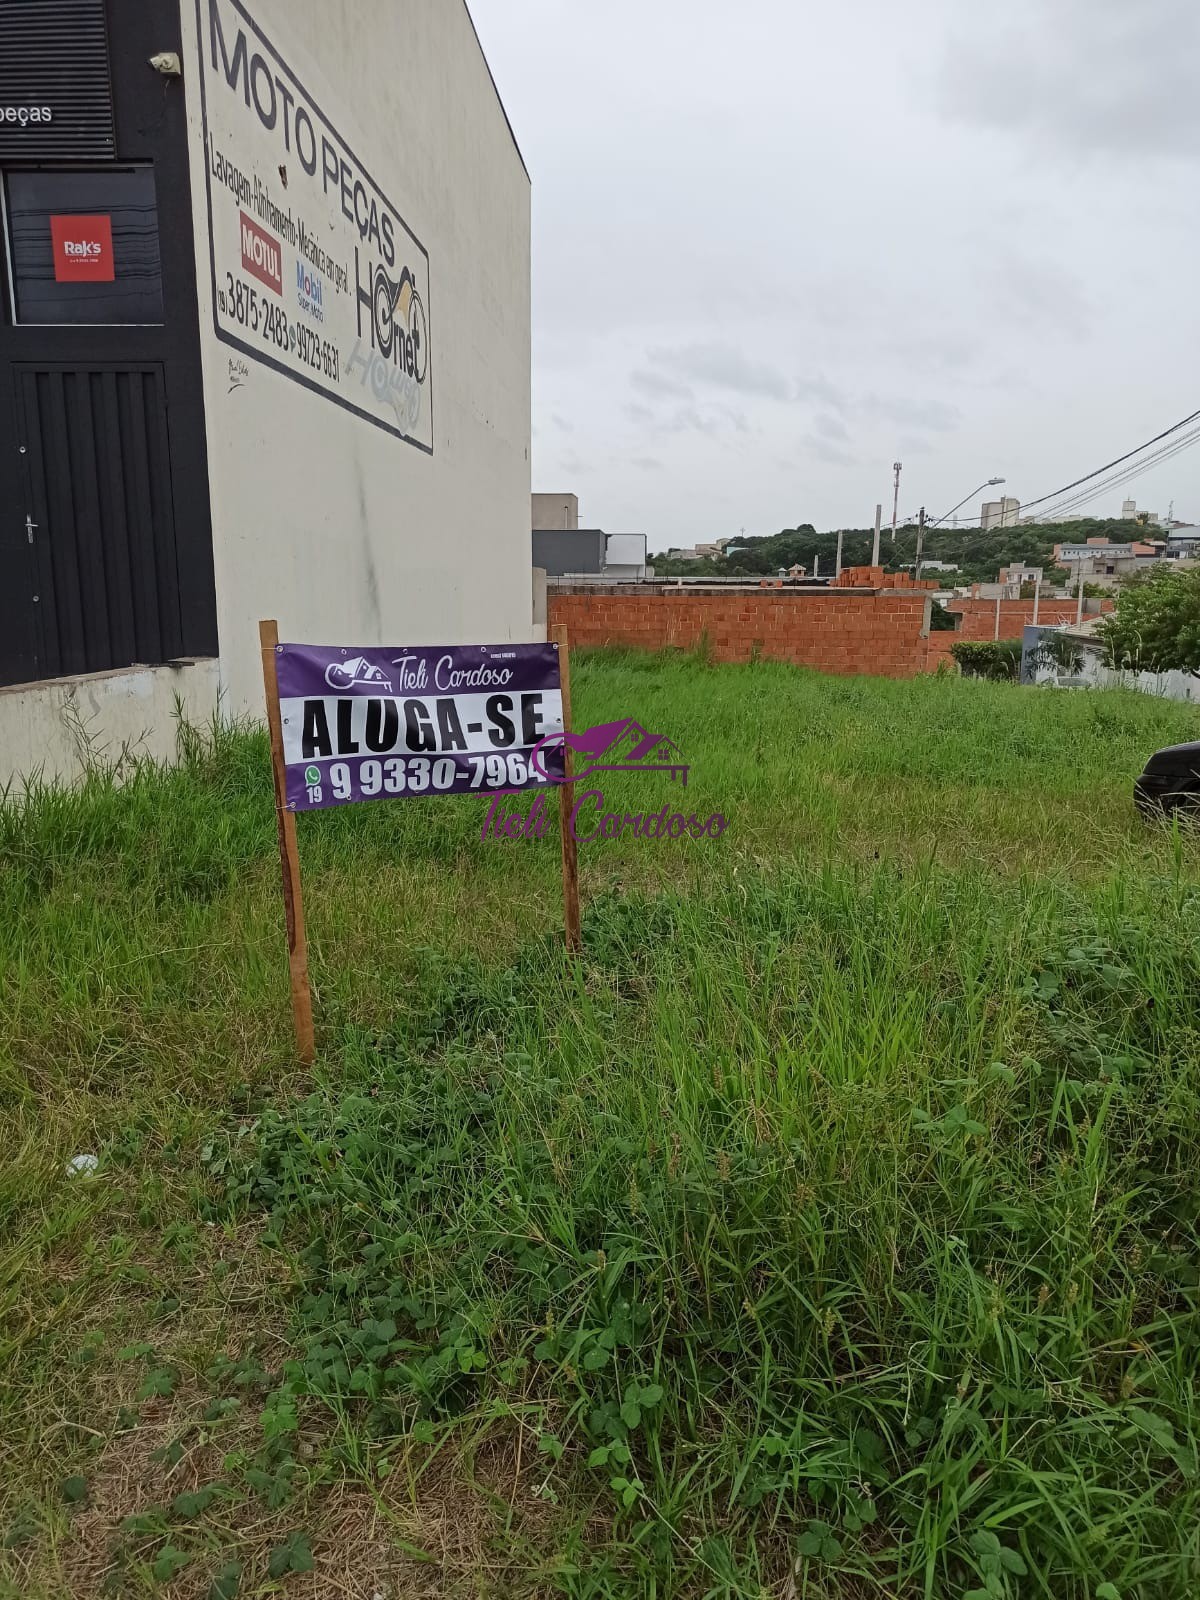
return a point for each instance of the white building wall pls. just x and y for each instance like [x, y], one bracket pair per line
[322, 519]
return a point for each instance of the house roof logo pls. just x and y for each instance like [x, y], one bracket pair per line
[623, 746]
[355, 673]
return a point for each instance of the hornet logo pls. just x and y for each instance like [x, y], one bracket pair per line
[397, 307]
[346, 674]
[614, 747]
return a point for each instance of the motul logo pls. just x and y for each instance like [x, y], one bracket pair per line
[261, 255]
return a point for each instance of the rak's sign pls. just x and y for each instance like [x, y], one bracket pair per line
[83, 249]
[315, 273]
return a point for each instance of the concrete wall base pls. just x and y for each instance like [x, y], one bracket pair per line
[57, 730]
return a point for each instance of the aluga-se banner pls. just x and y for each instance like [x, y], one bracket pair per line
[390, 723]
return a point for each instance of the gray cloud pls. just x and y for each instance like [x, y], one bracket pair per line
[723, 366]
[824, 450]
[819, 389]
[646, 463]
[562, 424]
[659, 386]
[712, 420]
[830, 427]
[1043, 295]
[933, 416]
[1111, 77]
[986, 268]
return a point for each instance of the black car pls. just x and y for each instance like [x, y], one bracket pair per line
[1171, 782]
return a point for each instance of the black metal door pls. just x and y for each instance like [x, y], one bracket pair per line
[121, 559]
[99, 520]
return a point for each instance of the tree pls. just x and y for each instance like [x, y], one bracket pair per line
[1156, 626]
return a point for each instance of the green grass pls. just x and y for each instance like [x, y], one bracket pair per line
[829, 1229]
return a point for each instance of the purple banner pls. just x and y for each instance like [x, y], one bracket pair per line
[395, 723]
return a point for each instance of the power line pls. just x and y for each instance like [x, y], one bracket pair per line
[1108, 466]
[1117, 479]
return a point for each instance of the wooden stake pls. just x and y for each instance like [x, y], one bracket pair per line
[566, 799]
[289, 854]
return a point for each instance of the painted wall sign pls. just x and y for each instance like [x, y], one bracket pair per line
[315, 272]
[381, 724]
[83, 249]
[55, 88]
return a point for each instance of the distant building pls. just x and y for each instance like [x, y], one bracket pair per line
[1003, 513]
[555, 511]
[938, 566]
[625, 557]
[590, 553]
[574, 551]
[1128, 510]
[701, 552]
[1099, 560]
[1017, 573]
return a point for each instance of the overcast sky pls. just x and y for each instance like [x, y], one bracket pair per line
[779, 245]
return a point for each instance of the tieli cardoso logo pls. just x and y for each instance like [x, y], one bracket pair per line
[623, 746]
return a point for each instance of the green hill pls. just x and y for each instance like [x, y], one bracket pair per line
[978, 555]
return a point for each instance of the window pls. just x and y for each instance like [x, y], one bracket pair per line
[84, 246]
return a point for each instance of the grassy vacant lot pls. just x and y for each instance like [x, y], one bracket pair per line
[829, 1230]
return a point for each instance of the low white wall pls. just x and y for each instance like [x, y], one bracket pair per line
[57, 729]
[1095, 675]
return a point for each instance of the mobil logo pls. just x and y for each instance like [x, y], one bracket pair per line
[310, 291]
[261, 254]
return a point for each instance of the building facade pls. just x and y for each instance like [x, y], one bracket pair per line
[555, 511]
[1003, 513]
[264, 345]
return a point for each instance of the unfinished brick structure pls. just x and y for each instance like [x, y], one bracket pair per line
[867, 621]
[842, 630]
[977, 618]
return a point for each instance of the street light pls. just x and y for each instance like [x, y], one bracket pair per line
[990, 484]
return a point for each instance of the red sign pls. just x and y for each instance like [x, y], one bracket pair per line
[83, 249]
[261, 255]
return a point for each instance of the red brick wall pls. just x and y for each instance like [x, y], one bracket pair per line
[937, 649]
[979, 616]
[836, 632]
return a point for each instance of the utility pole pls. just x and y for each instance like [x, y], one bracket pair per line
[1079, 603]
[837, 566]
[920, 542]
[875, 546]
[896, 466]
